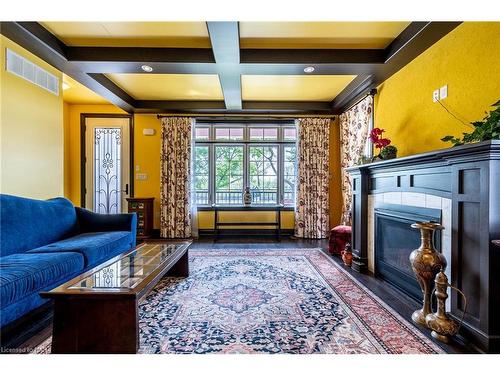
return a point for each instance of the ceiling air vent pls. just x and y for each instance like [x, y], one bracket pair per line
[24, 68]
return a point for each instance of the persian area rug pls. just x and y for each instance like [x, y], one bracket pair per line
[271, 301]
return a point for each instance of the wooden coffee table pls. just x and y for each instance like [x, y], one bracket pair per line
[96, 312]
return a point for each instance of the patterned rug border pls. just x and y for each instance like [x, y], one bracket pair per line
[307, 251]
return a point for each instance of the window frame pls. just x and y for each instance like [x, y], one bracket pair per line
[212, 198]
[280, 143]
[279, 162]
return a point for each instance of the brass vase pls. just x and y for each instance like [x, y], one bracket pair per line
[426, 262]
[443, 326]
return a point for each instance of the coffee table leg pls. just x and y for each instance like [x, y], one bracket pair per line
[104, 325]
[181, 268]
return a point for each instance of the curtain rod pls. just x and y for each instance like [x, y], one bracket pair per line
[249, 116]
[372, 92]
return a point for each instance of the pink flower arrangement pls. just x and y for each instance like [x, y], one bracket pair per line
[376, 138]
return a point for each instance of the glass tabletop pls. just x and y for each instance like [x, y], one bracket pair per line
[128, 271]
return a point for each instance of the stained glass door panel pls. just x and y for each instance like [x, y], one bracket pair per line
[107, 170]
[107, 165]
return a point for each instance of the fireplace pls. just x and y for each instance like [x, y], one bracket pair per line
[395, 240]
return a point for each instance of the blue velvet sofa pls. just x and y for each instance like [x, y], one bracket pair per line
[46, 243]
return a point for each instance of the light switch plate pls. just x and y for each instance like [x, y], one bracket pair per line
[443, 92]
[141, 176]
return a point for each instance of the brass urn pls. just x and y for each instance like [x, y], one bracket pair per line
[426, 262]
[443, 326]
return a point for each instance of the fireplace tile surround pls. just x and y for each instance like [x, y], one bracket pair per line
[415, 200]
[420, 200]
[464, 183]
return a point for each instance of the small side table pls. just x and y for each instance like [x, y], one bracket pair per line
[143, 207]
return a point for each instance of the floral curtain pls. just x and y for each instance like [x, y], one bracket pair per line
[355, 125]
[312, 209]
[175, 220]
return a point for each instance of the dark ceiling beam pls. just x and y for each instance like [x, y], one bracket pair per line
[141, 54]
[46, 37]
[225, 40]
[412, 41]
[135, 67]
[34, 38]
[250, 69]
[411, 32]
[214, 107]
[359, 86]
[287, 107]
[312, 56]
[179, 106]
[112, 87]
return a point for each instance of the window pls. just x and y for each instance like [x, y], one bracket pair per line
[233, 134]
[261, 134]
[201, 174]
[227, 158]
[228, 174]
[202, 134]
[289, 170]
[263, 173]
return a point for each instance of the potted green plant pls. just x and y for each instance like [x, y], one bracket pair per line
[388, 152]
[484, 130]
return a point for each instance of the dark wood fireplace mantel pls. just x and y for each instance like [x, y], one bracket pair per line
[470, 177]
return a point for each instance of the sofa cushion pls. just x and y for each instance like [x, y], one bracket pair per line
[23, 274]
[95, 247]
[29, 223]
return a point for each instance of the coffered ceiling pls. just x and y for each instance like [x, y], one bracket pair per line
[293, 87]
[228, 67]
[76, 93]
[170, 86]
[131, 34]
[322, 35]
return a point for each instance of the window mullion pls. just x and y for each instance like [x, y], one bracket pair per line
[211, 155]
[246, 168]
[280, 176]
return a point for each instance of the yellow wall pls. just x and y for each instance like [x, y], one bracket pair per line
[31, 127]
[468, 61]
[67, 150]
[147, 160]
[206, 219]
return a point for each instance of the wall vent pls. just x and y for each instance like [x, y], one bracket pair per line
[24, 68]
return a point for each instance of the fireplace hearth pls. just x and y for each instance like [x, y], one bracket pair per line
[395, 240]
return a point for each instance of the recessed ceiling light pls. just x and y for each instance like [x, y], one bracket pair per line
[147, 68]
[309, 69]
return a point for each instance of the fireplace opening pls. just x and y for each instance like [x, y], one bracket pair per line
[395, 239]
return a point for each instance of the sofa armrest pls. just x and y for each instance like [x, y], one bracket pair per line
[91, 222]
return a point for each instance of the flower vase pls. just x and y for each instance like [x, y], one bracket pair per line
[247, 197]
[426, 262]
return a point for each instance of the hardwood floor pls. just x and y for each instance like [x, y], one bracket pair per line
[30, 335]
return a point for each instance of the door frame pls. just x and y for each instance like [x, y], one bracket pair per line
[83, 118]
